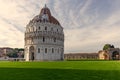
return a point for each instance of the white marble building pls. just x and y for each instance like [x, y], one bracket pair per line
[44, 38]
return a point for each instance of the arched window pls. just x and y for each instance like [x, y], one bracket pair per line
[39, 28]
[28, 29]
[43, 39]
[33, 28]
[43, 20]
[51, 29]
[52, 50]
[54, 39]
[58, 50]
[45, 50]
[45, 28]
[38, 50]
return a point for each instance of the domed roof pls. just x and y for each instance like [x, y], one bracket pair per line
[45, 16]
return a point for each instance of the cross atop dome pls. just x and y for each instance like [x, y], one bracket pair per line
[45, 6]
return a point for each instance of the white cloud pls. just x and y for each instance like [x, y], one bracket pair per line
[88, 24]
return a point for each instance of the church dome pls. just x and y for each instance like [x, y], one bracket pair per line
[45, 16]
[44, 38]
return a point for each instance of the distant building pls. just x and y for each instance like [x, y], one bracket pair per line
[110, 54]
[44, 38]
[80, 56]
[5, 50]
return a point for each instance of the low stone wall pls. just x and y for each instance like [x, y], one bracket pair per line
[81, 56]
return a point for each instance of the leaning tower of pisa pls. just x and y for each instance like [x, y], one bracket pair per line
[44, 38]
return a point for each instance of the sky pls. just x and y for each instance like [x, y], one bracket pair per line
[88, 24]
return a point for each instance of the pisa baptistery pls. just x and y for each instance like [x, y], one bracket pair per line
[44, 38]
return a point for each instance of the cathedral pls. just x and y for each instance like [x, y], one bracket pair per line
[44, 38]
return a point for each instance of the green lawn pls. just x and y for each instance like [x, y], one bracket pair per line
[61, 70]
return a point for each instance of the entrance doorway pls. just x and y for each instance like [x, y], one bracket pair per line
[32, 56]
[31, 53]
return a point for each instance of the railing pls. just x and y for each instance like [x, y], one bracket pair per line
[44, 33]
[16, 59]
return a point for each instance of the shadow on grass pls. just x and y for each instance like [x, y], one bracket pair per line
[57, 74]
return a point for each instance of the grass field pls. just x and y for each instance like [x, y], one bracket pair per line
[64, 70]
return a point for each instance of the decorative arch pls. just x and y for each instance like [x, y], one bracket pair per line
[31, 53]
[106, 56]
[115, 55]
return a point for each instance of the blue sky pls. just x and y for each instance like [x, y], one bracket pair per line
[88, 24]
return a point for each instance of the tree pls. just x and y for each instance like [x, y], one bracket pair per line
[17, 52]
[13, 54]
[107, 46]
